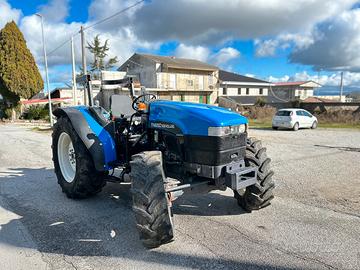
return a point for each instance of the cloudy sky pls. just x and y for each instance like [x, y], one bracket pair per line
[270, 39]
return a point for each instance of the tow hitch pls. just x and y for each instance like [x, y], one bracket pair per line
[238, 177]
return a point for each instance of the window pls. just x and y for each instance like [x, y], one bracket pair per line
[189, 82]
[210, 80]
[261, 91]
[224, 91]
[283, 113]
[239, 91]
[247, 91]
[305, 113]
[299, 113]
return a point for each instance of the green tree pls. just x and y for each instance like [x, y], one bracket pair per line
[19, 74]
[99, 52]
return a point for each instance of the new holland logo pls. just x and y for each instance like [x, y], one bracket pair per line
[163, 125]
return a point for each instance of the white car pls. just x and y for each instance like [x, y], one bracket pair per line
[294, 119]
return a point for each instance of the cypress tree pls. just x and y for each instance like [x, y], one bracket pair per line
[19, 74]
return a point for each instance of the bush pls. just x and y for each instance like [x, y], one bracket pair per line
[37, 112]
[8, 111]
[260, 102]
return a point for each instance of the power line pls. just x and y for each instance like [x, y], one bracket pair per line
[96, 23]
[115, 14]
[58, 47]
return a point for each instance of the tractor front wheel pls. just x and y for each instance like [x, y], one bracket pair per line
[151, 203]
[73, 164]
[259, 195]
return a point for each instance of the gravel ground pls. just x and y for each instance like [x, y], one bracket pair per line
[312, 224]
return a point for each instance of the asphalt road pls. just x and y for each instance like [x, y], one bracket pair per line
[314, 222]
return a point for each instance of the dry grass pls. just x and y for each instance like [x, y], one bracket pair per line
[258, 113]
[339, 116]
[334, 118]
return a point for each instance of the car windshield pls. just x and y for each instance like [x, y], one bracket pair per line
[283, 113]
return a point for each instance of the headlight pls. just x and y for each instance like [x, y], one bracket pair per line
[228, 130]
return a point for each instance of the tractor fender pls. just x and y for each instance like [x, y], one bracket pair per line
[96, 139]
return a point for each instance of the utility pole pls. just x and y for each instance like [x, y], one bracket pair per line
[341, 85]
[73, 71]
[83, 57]
[46, 69]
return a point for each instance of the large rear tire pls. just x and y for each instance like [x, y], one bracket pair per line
[73, 164]
[259, 195]
[150, 202]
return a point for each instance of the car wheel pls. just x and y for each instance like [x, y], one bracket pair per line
[296, 126]
[314, 125]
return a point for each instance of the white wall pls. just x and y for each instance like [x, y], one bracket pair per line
[304, 93]
[253, 91]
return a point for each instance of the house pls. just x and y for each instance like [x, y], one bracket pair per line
[242, 89]
[289, 91]
[174, 78]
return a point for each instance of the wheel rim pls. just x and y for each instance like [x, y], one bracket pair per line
[66, 157]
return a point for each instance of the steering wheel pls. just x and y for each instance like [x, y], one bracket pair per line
[136, 101]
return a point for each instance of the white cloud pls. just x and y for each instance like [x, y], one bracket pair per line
[7, 13]
[205, 22]
[224, 55]
[219, 58]
[193, 52]
[336, 46]
[284, 78]
[350, 78]
[100, 9]
[122, 41]
[269, 47]
[322, 33]
[55, 10]
[266, 47]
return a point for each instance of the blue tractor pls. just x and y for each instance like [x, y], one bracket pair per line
[166, 148]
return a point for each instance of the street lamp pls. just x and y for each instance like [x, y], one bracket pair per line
[46, 68]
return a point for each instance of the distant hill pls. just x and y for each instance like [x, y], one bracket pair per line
[335, 90]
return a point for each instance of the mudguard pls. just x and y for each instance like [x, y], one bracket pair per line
[97, 140]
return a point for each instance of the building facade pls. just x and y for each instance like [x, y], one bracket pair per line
[289, 91]
[174, 78]
[242, 89]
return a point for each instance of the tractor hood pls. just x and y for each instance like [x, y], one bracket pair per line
[191, 118]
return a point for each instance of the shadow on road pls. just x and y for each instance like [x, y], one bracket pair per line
[99, 226]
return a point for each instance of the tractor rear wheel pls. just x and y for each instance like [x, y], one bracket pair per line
[259, 195]
[151, 204]
[73, 164]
